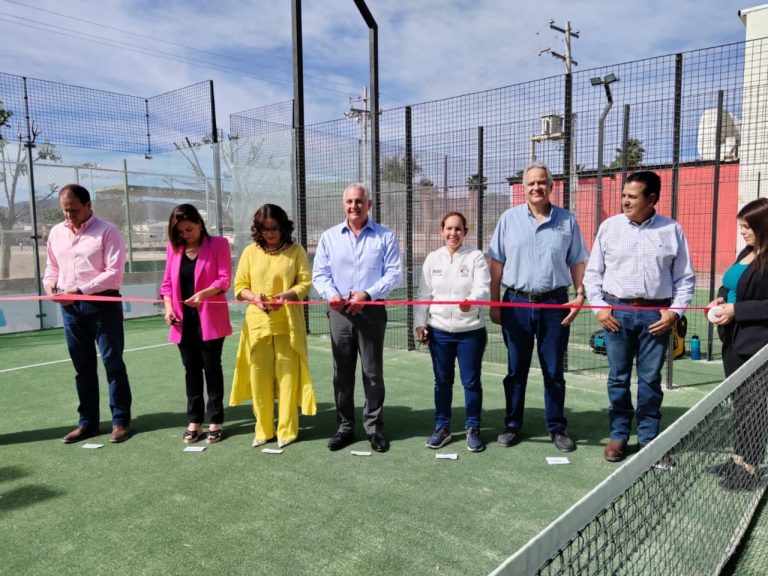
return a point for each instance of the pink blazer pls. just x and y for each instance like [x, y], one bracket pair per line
[213, 268]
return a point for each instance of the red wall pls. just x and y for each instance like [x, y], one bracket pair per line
[694, 208]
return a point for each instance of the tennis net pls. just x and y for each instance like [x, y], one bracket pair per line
[680, 506]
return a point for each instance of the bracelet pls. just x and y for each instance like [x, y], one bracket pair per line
[581, 293]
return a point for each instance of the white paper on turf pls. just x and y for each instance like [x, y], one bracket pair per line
[194, 448]
[551, 460]
[89, 446]
[450, 456]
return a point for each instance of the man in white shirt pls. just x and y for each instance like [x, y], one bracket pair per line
[640, 271]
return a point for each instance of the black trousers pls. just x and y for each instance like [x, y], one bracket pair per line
[750, 410]
[202, 365]
[363, 335]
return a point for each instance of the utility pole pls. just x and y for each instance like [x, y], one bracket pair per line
[569, 153]
[569, 61]
[361, 116]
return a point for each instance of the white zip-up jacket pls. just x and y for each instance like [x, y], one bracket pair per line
[461, 276]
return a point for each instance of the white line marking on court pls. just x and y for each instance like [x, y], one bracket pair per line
[68, 360]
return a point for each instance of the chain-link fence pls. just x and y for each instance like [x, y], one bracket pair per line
[697, 118]
[694, 117]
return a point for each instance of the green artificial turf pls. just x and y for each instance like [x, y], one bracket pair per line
[147, 507]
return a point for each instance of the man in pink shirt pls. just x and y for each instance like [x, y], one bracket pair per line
[86, 255]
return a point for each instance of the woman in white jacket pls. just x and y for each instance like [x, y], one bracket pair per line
[454, 331]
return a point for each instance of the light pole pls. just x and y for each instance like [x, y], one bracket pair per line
[605, 82]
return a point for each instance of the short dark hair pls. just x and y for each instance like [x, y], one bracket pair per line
[755, 214]
[651, 180]
[77, 191]
[274, 212]
[182, 213]
[458, 214]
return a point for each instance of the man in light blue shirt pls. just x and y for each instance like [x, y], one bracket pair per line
[357, 261]
[640, 259]
[536, 251]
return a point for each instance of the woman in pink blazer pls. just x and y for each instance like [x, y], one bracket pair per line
[198, 270]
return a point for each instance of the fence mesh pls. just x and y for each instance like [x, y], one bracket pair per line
[466, 153]
[67, 115]
[679, 507]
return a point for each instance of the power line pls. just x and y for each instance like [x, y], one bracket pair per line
[171, 56]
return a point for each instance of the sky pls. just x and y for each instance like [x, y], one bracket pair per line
[428, 49]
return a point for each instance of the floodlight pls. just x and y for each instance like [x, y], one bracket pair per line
[610, 78]
[596, 81]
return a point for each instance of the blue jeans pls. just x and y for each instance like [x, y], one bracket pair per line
[86, 323]
[633, 337]
[520, 326]
[468, 348]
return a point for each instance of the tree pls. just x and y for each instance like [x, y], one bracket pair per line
[635, 153]
[13, 166]
[393, 169]
[475, 184]
[253, 176]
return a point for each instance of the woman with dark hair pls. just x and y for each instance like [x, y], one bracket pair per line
[198, 271]
[740, 312]
[272, 355]
[454, 272]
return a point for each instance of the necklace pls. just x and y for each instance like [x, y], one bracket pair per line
[277, 250]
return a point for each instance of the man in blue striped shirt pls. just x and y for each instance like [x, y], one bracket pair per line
[536, 251]
[640, 259]
[357, 261]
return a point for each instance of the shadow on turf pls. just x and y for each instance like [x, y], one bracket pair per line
[139, 424]
[403, 422]
[588, 427]
[11, 473]
[26, 496]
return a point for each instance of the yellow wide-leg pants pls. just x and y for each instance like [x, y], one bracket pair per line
[275, 368]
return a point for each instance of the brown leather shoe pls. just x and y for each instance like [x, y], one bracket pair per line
[119, 434]
[615, 451]
[79, 433]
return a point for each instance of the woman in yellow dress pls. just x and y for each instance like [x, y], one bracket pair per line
[272, 355]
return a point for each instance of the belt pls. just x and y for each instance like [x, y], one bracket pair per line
[660, 303]
[107, 293]
[537, 296]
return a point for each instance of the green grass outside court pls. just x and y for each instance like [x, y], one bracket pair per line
[146, 507]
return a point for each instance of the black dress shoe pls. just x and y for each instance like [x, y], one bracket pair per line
[739, 480]
[508, 437]
[378, 442]
[562, 441]
[340, 440]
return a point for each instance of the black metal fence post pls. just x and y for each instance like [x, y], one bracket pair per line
[29, 144]
[568, 141]
[409, 284]
[715, 200]
[676, 143]
[624, 146]
[216, 162]
[480, 187]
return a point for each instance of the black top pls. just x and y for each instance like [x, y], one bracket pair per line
[187, 276]
[749, 330]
